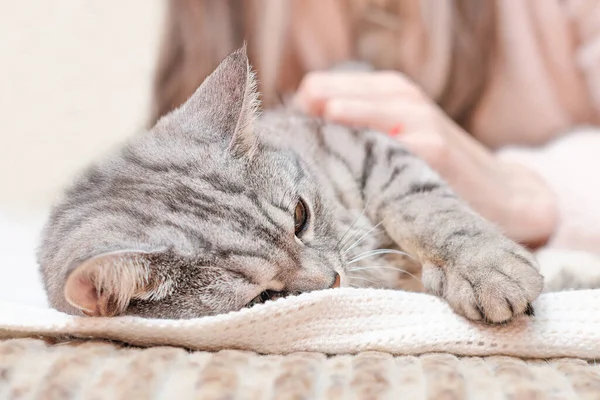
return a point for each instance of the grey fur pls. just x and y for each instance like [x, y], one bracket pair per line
[206, 200]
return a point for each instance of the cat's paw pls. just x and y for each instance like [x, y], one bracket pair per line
[491, 283]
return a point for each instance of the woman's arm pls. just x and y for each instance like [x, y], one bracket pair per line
[506, 193]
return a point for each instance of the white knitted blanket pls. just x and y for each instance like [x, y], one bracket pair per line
[338, 321]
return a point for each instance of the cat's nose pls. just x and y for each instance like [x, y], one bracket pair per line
[336, 282]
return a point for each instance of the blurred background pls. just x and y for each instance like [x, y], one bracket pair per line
[75, 79]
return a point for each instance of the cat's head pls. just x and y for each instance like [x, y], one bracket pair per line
[198, 216]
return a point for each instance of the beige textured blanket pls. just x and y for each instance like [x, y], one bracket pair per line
[342, 321]
[32, 369]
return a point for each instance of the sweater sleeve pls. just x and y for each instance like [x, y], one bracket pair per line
[571, 167]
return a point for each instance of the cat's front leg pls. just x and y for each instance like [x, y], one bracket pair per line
[466, 260]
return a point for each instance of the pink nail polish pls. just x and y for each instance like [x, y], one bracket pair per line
[396, 130]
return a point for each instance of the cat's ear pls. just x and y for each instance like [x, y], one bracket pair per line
[228, 102]
[104, 285]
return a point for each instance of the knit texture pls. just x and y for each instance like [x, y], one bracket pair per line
[343, 321]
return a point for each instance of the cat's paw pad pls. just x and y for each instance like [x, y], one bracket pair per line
[492, 286]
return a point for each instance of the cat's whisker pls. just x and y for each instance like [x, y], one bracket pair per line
[346, 235]
[356, 243]
[341, 242]
[353, 234]
[359, 231]
[375, 267]
[364, 279]
[356, 232]
[372, 253]
[351, 237]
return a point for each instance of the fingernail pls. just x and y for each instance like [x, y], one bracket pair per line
[396, 130]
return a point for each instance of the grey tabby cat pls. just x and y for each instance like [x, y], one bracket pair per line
[215, 209]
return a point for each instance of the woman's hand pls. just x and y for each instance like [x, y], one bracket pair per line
[510, 195]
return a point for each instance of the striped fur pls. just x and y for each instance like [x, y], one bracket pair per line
[207, 197]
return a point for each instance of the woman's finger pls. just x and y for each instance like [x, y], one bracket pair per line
[381, 115]
[319, 87]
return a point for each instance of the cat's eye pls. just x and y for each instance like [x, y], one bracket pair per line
[300, 217]
[264, 296]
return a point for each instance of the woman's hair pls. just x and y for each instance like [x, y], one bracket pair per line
[445, 46]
